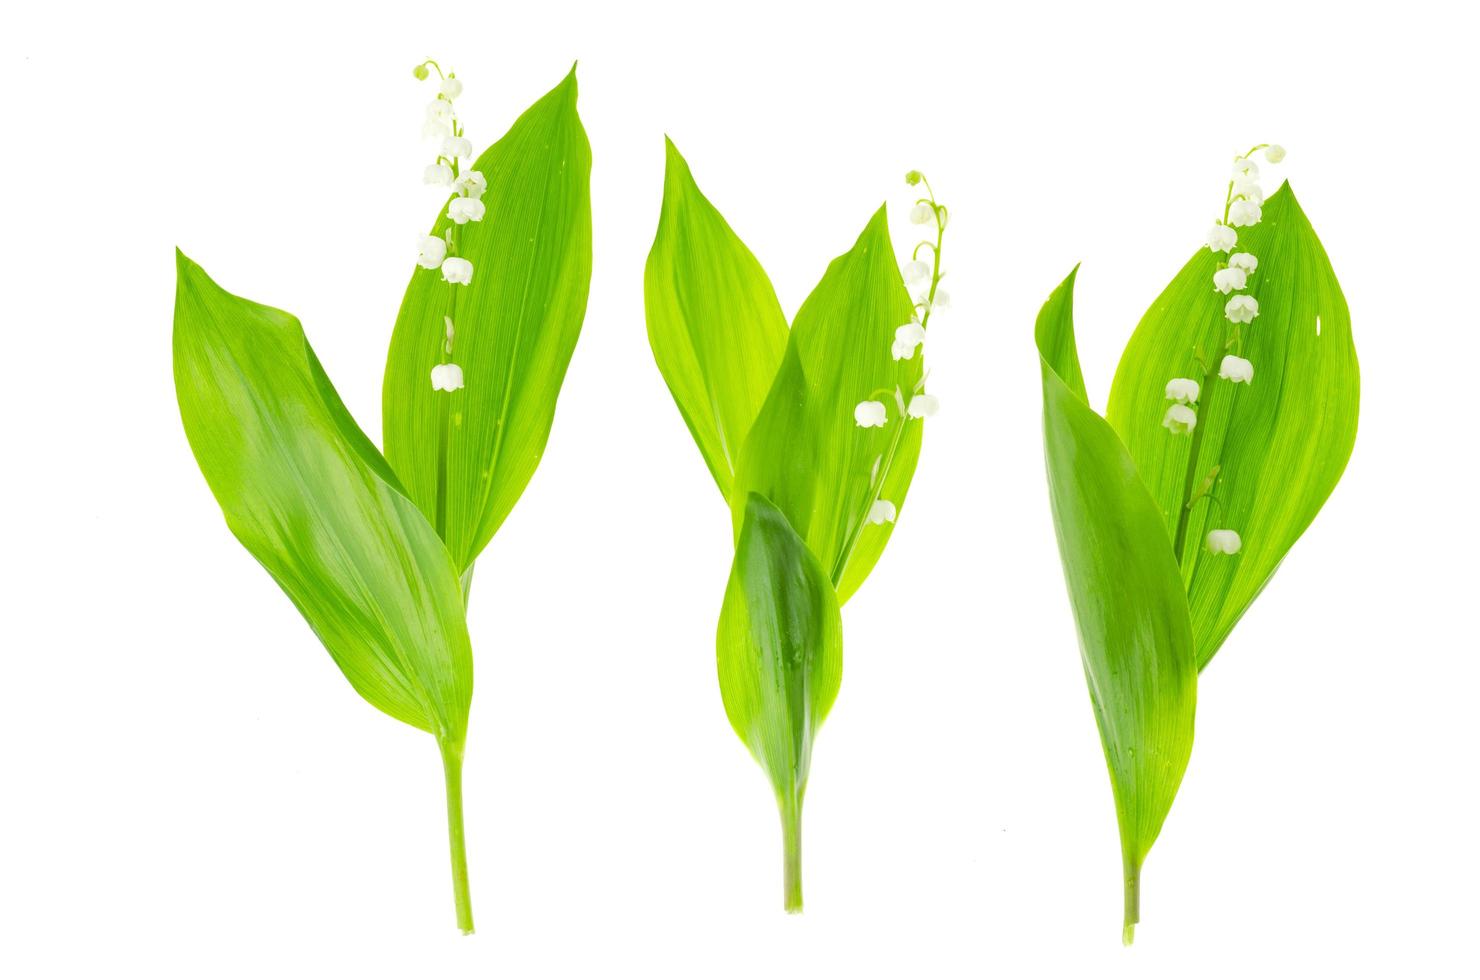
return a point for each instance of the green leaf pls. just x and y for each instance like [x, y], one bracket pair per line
[306, 493]
[1135, 637]
[1280, 443]
[780, 653]
[805, 452]
[715, 325]
[466, 456]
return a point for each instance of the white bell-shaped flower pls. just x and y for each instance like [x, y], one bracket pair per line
[1222, 238]
[436, 129]
[870, 414]
[942, 301]
[1252, 192]
[1241, 309]
[1224, 542]
[1229, 279]
[922, 214]
[1274, 153]
[457, 270]
[465, 209]
[451, 88]
[457, 148]
[1180, 419]
[1236, 369]
[470, 183]
[906, 339]
[439, 110]
[916, 272]
[430, 251]
[1183, 390]
[447, 377]
[1246, 168]
[1242, 213]
[882, 512]
[1243, 260]
[923, 406]
[437, 174]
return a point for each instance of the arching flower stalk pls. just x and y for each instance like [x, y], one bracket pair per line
[454, 154]
[923, 277]
[1242, 208]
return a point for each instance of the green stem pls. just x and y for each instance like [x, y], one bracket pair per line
[452, 769]
[1132, 902]
[1190, 483]
[791, 836]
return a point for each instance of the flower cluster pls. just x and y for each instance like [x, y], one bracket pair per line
[454, 151]
[923, 279]
[1242, 208]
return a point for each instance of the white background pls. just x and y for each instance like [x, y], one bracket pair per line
[188, 787]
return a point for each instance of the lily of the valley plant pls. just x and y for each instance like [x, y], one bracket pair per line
[812, 435]
[377, 551]
[1230, 420]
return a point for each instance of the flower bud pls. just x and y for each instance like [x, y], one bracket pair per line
[1183, 390]
[430, 252]
[470, 183]
[923, 406]
[870, 414]
[465, 209]
[1241, 309]
[1222, 238]
[922, 214]
[1274, 153]
[447, 377]
[916, 271]
[451, 88]
[1224, 542]
[1229, 279]
[1236, 369]
[457, 270]
[1180, 419]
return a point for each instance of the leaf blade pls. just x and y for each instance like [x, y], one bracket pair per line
[1294, 426]
[303, 490]
[1129, 609]
[516, 325]
[714, 323]
[779, 646]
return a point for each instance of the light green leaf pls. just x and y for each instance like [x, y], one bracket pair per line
[780, 653]
[307, 494]
[805, 452]
[1280, 443]
[715, 325]
[516, 327]
[1134, 634]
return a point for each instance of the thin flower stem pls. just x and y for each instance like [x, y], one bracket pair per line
[462, 897]
[1189, 485]
[876, 486]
